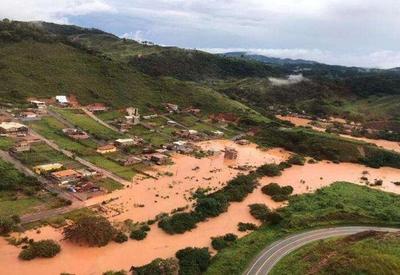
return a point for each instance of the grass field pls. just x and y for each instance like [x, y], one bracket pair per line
[42, 154]
[51, 128]
[122, 171]
[363, 253]
[109, 184]
[341, 203]
[6, 143]
[83, 121]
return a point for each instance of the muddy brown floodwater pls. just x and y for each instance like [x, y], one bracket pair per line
[212, 172]
[386, 144]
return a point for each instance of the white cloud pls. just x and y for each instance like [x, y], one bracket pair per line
[51, 10]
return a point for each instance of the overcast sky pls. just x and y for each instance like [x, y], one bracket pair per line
[348, 32]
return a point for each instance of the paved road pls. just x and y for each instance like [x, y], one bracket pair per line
[271, 255]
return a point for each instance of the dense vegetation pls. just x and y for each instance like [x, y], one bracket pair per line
[222, 242]
[193, 261]
[367, 252]
[340, 203]
[90, 230]
[210, 205]
[40, 249]
[158, 266]
[277, 192]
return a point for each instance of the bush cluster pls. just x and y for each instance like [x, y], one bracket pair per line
[139, 233]
[120, 237]
[40, 249]
[193, 261]
[158, 266]
[6, 225]
[277, 192]
[210, 205]
[269, 170]
[263, 213]
[222, 242]
[90, 230]
[242, 227]
[296, 160]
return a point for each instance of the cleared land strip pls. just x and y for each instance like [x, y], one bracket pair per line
[271, 255]
[97, 119]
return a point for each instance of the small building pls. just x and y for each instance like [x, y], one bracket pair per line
[172, 107]
[160, 159]
[75, 133]
[125, 142]
[96, 107]
[46, 168]
[131, 160]
[230, 153]
[218, 133]
[62, 100]
[40, 105]
[150, 116]
[193, 111]
[87, 172]
[171, 122]
[133, 116]
[109, 148]
[28, 115]
[13, 128]
[66, 176]
[22, 146]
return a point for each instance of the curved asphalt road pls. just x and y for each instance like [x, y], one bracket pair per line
[271, 255]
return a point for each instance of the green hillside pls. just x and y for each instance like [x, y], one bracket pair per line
[363, 253]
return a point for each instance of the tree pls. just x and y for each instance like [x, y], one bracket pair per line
[41, 249]
[158, 266]
[91, 230]
[193, 261]
[259, 211]
[6, 225]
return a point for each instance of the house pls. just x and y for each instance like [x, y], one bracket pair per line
[160, 159]
[171, 122]
[28, 115]
[62, 100]
[193, 111]
[109, 148]
[46, 168]
[87, 173]
[171, 107]
[230, 153]
[66, 176]
[131, 160]
[133, 116]
[124, 142]
[75, 133]
[13, 128]
[96, 107]
[40, 105]
[150, 116]
[22, 146]
[218, 133]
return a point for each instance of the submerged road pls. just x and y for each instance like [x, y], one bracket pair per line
[271, 255]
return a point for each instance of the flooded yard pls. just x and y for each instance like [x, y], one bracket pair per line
[173, 190]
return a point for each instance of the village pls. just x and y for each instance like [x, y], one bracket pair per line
[88, 157]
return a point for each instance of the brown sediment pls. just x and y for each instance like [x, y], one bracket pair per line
[386, 144]
[84, 260]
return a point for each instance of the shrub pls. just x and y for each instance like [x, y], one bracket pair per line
[120, 272]
[221, 242]
[277, 193]
[296, 160]
[91, 230]
[138, 234]
[211, 206]
[120, 237]
[158, 267]
[178, 223]
[271, 189]
[41, 249]
[259, 211]
[193, 260]
[6, 225]
[270, 170]
[246, 226]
